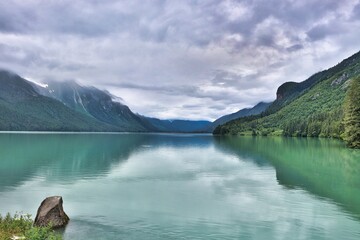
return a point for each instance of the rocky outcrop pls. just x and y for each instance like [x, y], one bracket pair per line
[340, 79]
[51, 213]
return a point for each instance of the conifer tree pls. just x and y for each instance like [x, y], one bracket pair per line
[352, 114]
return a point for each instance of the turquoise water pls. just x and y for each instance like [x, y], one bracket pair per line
[144, 186]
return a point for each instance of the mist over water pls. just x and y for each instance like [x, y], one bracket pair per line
[163, 186]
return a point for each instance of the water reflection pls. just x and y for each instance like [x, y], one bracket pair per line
[75, 156]
[70, 156]
[143, 186]
[321, 166]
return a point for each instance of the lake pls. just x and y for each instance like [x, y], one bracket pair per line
[168, 186]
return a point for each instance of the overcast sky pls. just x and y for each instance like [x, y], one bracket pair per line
[178, 59]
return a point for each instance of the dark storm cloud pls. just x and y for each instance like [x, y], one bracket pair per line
[183, 58]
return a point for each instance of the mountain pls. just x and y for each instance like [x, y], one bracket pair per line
[257, 109]
[97, 104]
[289, 91]
[314, 107]
[22, 108]
[107, 108]
[68, 106]
[182, 126]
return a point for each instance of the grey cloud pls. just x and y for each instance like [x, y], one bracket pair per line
[16, 54]
[322, 31]
[32, 58]
[196, 92]
[201, 106]
[182, 58]
[217, 107]
[14, 19]
[177, 90]
[244, 81]
[192, 22]
[228, 79]
[356, 12]
[295, 47]
[297, 14]
[191, 106]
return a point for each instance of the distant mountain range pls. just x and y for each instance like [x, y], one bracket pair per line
[68, 106]
[189, 126]
[312, 108]
[257, 109]
[95, 104]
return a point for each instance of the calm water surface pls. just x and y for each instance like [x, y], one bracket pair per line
[143, 186]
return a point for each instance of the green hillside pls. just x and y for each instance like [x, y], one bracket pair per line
[23, 109]
[257, 109]
[313, 108]
[352, 114]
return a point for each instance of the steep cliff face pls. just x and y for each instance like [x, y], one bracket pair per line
[286, 90]
[289, 91]
[312, 108]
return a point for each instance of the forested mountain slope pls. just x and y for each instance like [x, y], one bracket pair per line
[312, 108]
[184, 126]
[257, 109]
[24, 109]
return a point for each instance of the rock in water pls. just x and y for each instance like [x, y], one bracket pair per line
[51, 213]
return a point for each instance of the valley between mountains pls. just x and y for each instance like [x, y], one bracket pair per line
[324, 105]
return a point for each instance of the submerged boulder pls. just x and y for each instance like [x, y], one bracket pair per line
[51, 213]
